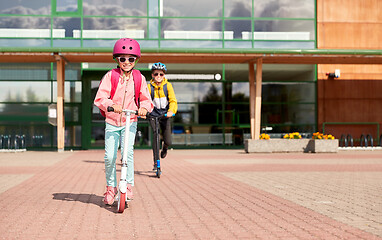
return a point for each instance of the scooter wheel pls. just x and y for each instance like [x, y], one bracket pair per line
[158, 172]
[121, 202]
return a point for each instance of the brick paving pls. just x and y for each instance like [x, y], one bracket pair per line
[202, 194]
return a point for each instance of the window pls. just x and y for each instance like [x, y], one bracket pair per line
[115, 8]
[237, 8]
[30, 7]
[113, 28]
[284, 8]
[66, 6]
[195, 8]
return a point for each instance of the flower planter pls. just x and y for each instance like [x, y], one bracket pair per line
[323, 146]
[290, 145]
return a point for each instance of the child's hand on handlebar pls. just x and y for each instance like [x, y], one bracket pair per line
[117, 108]
[169, 114]
[142, 112]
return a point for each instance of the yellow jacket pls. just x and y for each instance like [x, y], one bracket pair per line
[161, 103]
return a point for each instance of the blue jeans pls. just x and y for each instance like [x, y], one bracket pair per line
[113, 135]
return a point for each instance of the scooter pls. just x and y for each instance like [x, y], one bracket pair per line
[156, 142]
[122, 187]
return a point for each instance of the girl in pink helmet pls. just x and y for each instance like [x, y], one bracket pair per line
[126, 53]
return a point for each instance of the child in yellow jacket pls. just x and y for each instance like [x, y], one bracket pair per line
[163, 96]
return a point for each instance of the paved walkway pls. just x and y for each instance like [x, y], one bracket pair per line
[202, 194]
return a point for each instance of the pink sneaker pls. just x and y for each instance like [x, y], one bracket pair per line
[109, 195]
[129, 192]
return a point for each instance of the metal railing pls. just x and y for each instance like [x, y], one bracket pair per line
[202, 139]
[365, 140]
[12, 143]
[345, 140]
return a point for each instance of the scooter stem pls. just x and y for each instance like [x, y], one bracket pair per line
[123, 182]
[126, 141]
[127, 131]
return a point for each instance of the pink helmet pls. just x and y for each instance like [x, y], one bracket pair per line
[127, 46]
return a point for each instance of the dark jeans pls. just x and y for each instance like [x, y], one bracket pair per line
[165, 130]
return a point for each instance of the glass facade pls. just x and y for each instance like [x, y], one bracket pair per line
[213, 99]
[26, 91]
[161, 23]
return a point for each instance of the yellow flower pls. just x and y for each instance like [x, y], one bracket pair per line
[318, 135]
[294, 135]
[265, 136]
[329, 136]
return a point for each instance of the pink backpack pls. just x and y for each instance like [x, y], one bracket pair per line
[115, 73]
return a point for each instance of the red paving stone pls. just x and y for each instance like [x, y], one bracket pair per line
[189, 201]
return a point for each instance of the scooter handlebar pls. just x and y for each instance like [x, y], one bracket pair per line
[160, 116]
[111, 109]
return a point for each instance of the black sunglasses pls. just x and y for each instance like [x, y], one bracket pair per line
[160, 74]
[123, 59]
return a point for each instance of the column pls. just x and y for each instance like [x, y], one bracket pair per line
[259, 80]
[60, 103]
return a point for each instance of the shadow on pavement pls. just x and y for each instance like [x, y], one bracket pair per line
[94, 161]
[146, 173]
[84, 198]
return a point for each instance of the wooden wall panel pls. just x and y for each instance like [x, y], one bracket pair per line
[351, 72]
[349, 101]
[357, 95]
[350, 89]
[349, 11]
[349, 35]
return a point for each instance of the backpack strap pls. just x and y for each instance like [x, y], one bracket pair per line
[164, 90]
[137, 85]
[114, 83]
[115, 73]
[152, 92]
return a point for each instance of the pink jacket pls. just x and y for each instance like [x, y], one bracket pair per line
[124, 96]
